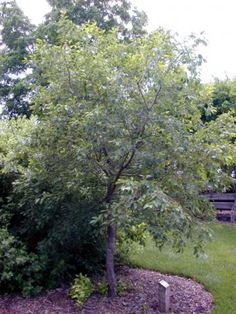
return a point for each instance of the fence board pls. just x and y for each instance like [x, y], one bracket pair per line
[223, 205]
[220, 196]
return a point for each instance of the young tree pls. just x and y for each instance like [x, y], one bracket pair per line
[122, 118]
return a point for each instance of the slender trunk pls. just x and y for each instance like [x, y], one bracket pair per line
[111, 228]
[110, 247]
[110, 250]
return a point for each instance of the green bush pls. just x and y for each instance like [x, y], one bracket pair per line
[57, 230]
[103, 287]
[81, 289]
[18, 269]
[54, 227]
[122, 286]
[45, 218]
[53, 238]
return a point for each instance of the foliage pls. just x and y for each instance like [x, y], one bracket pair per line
[122, 287]
[117, 146]
[106, 14]
[125, 238]
[126, 116]
[218, 140]
[214, 269]
[56, 228]
[17, 40]
[220, 98]
[218, 111]
[14, 135]
[52, 224]
[19, 270]
[103, 287]
[81, 289]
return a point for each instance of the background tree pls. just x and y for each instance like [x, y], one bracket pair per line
[106, 14]
[220, 98]
[16, 45]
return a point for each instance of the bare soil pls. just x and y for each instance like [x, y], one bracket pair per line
[187, 296]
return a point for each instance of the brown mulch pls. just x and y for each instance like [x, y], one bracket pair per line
[187, 296]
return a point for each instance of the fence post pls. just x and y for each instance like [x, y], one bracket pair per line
[233, 212]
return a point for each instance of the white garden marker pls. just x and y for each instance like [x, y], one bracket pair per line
[164, 296]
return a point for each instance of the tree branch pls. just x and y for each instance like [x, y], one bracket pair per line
[142, 95]
[156, 95]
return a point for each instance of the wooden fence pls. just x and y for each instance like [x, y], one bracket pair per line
[225, 204]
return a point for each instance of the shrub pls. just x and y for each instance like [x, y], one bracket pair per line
[103, 287]
[18, 269]
[44, 218]
[81, 289]
[122, 287]
[54, 227]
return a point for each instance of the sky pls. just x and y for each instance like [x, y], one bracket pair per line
[216, 18]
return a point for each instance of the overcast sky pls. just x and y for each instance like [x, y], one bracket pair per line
[217, 18]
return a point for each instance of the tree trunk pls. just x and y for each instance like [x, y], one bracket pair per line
[110, 250]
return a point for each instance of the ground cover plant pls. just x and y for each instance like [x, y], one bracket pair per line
[215, 269]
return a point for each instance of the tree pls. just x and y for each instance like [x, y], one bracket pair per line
[106, 14]
[220, 97]
[125, 117]
[16, 45]
[218, 102]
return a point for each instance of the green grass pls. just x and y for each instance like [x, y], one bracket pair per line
[216, 270]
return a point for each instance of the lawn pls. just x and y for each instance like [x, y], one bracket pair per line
[216, 270]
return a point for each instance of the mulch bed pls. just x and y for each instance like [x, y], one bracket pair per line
[187, 296]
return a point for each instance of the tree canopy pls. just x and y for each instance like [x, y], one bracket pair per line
[18, 37]
[106, 14]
